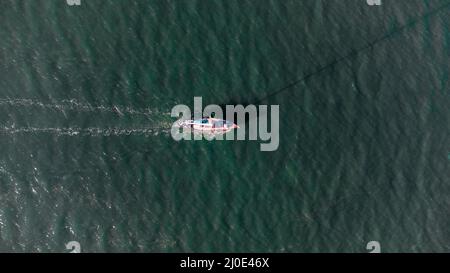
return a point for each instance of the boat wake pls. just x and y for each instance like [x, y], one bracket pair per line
[154, 128]
[91, 131]
[74, 105]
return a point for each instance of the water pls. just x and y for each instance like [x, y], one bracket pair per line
[86, 154]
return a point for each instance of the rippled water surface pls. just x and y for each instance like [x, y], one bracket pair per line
[86, 154]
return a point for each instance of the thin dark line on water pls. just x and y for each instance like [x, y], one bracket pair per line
[353, 53]
[346, 200]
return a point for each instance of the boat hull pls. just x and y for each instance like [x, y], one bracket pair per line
[210, 125]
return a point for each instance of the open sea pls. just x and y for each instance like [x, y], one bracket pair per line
[86, 153]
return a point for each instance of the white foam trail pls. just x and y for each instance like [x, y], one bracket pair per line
[74, 105]
[92, 131]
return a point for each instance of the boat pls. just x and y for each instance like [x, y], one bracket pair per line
[212, 125]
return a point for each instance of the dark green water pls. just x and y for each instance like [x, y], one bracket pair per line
[85, 153]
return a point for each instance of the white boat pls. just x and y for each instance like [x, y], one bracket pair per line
[210, 125]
